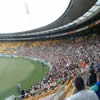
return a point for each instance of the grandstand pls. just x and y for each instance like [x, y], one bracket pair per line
[68, 47]
[60, 53]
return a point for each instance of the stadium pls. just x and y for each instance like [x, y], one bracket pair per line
[58, 60]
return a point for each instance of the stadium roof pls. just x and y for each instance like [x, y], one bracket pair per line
[23, 15]
[76, 13]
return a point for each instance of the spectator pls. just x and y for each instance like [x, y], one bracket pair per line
[96, 87]
[18, 87]
[92, 77]
[92, 66]
[83, 93]
[22, 93]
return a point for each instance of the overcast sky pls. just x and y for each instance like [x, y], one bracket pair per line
[20, 15]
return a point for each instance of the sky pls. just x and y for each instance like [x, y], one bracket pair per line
[22, 15]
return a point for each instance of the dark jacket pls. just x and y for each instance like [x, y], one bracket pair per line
[92, 79]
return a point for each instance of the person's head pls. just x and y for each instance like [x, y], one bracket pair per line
[91, 71]
[79, 83]
[98, 74]
[92, 65]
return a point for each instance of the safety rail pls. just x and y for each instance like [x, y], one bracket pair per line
[72, 91]
[69, 85]
[63, 89]
[60, 91]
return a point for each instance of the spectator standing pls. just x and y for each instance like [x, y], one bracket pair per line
[22, 93]
[96, 87]
[92, 77]
[18, 87]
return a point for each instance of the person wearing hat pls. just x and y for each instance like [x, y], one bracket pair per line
[96, 87]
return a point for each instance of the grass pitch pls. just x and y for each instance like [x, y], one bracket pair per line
[19, 70]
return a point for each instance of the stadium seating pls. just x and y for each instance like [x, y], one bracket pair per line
[66, 55]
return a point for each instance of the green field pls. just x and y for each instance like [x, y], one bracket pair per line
[19, 70]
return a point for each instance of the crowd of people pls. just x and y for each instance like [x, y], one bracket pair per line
[69, 57]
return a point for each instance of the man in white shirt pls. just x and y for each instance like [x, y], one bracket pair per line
[83, 94]
[18, 87]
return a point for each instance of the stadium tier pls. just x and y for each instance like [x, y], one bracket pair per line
[69, 57]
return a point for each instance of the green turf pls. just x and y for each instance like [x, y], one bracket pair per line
[19, 70]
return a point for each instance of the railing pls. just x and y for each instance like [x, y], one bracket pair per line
[72, 91]
[63, 89]
[60, 91]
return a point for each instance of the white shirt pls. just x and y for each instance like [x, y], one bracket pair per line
[18, 85]
[84, 95]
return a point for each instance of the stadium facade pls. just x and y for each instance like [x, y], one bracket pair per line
[76, 18]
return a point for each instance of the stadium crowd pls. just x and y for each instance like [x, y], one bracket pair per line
[69, 57]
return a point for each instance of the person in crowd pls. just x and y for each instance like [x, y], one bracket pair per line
[92, 77]
[18, 87]
[22, 92]
[83, 93]
[96, 87]
[92, 66]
